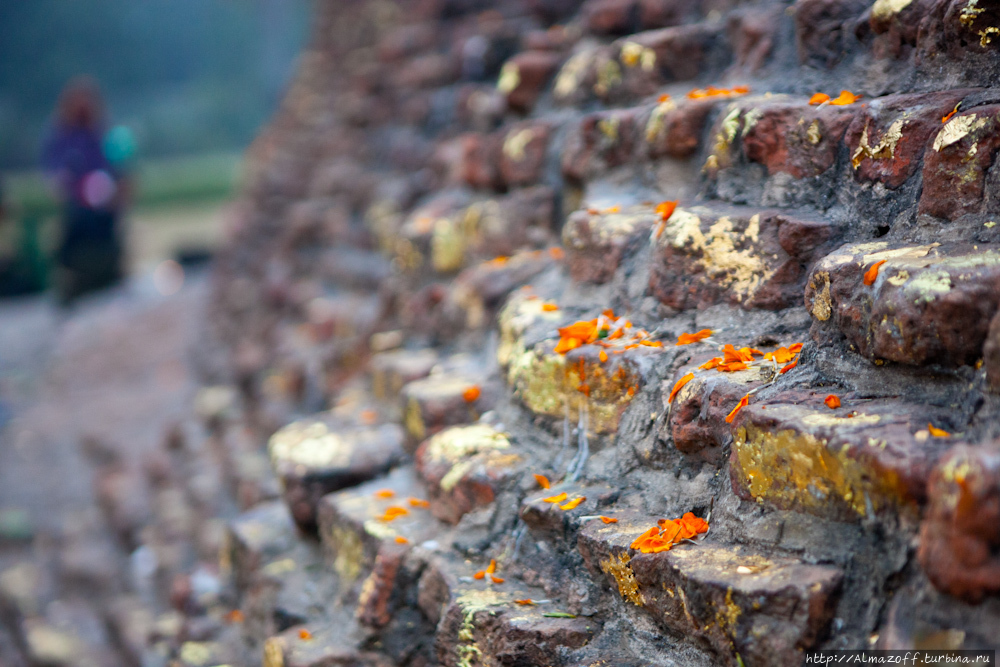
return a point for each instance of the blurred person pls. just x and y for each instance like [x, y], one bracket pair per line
[92, 191]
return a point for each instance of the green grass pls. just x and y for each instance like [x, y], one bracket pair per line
[159, 183]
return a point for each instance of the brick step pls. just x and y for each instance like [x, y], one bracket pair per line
[315, 456]
[745, 607]
[926, 304]
[458, 394]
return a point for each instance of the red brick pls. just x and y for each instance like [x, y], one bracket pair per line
[525, 146]
[601, 141]
[524, 77]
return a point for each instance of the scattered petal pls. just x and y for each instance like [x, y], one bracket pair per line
[608, 519]
[557, 498]
[677, 386]
[496, 580]
[401, 540]
[556, 252]
[603, 356]
[543, 481]
[305, 634]
[872, 273]
[846, 97]
[385, 493]
[235, 616]
[687, 339]
[711, 363]
[418, 502]
[549, 307]
[471, 394]
[666, 209]
[832, 401]
[394, 512]
[819, 98]
[795, 362]
[525, 601]
[479, 575]
[739, 406]
[952, 113]
[492, 566]
[937, 432]
[573, 504]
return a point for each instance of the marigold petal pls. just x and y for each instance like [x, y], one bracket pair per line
[525, 601]
[385, 493]
[472, 394]
[795, 362]
[687, 339]
[557, 498]
[733, 366]
[305, 634]
[872, 273]
[543, 481]
[845, 98]
[666, 209]
[573, 504]
[496, 580]
[795, 347]
[954, 111]
[677, 386]
[711, 363]
[652, 532]
[401, 540]
[819, 98]
[549, 307]
[937, 432]
[832, 401]
[479, 575]
[418, 502]
[608, 519]
[492, 566]
[603, 356]
[739, 406]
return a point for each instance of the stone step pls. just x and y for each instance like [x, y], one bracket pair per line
[316, 456]
[865, 458]
[446, 398]
[746, 607]
[926, 304]
[319, 645]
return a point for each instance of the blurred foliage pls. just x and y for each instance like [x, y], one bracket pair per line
[187, 76]
[209, 177]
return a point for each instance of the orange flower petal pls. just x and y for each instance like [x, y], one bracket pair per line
[819, 98]
[603, 356]
[557, 498]
[543, 481]
[479, 575]
[795, 362]
[525, 601]
[666, 209]
[235, 616]
[417, 502]
[652, 532]
[471, 394]
[677, 386]
[739, 406]
[795, 347]
[832, 401]
[937, 432]
[368, 417]
[492, 566]
[305, 634]
[953, 112]
[733, 366]
[608, 519]
[846, 97]
[556, 252]
[663, 98]
[573, 504]
[872, 273]
[385, 493]
[549, 307]
[496, 580]
[711, 363]
[687, 339]
[401, 540]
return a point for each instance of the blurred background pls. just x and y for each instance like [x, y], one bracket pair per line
[186, 85]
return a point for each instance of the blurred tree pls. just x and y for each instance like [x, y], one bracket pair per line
[187, 75]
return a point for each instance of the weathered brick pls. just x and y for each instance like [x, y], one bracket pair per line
[957, 162]
[480, 157]
[463, 466]
[551, 384]
[752, 34]
[748, 257]
[928, 304]
[675, 127]
[326, 645]
[391, 370]
[597, 241]
[525, 76]
[960, 536]
[888, 136]
[862, 459]
[601, 141]
[655, 57]
[314, 457]
[748, 607]
[824, 29]
[438, 401]
[697, 421]
[254, 538]
[524, 151]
